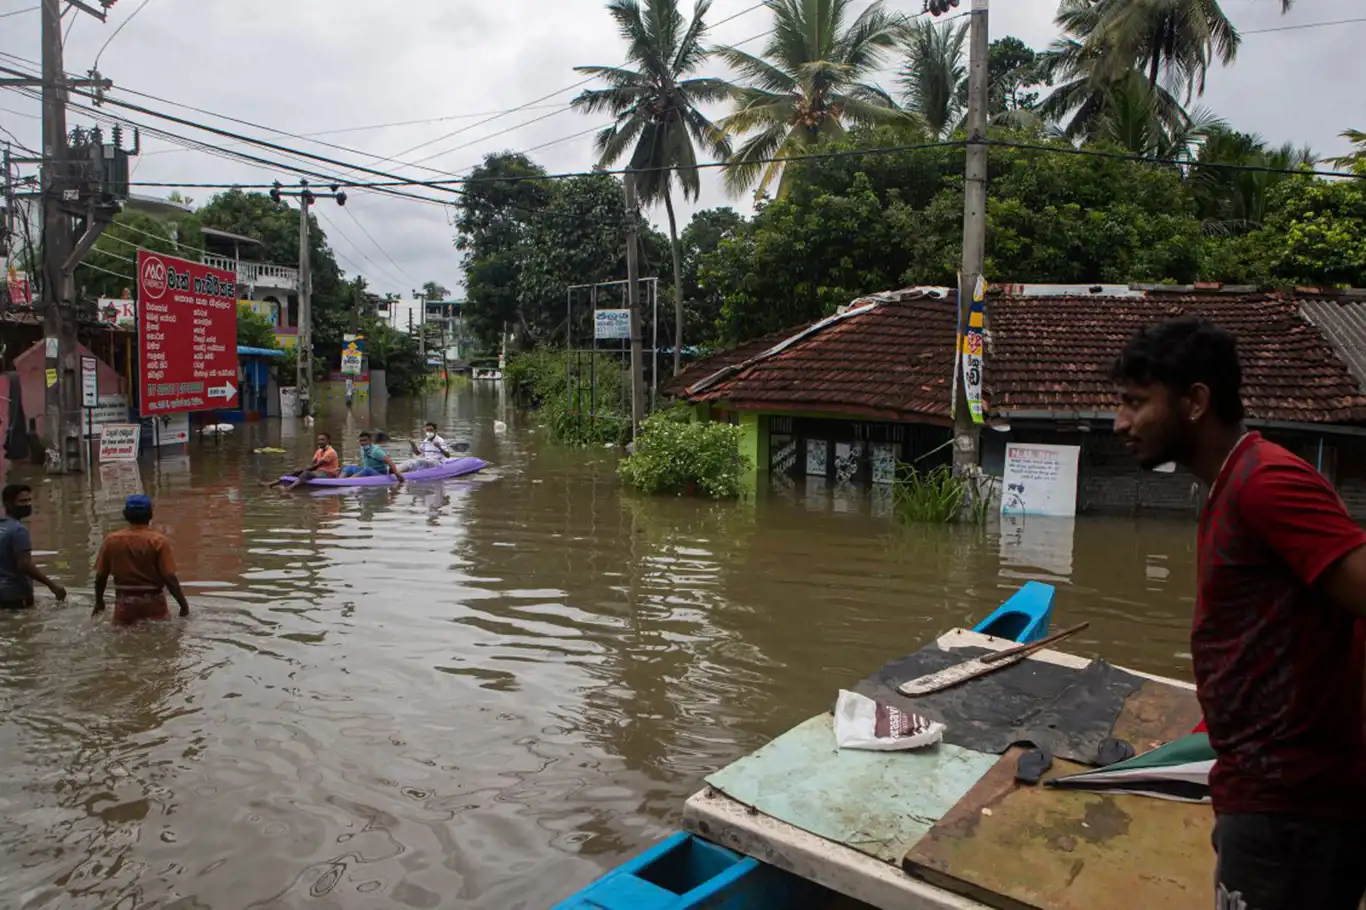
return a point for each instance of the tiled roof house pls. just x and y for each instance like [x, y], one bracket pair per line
[888, 359]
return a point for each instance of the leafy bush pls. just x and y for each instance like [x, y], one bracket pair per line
[676, 457]
[560, 388]
[938, 497]
[255, 330]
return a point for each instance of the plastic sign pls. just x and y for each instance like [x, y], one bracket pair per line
[90, 382]
[187, 335]
[120, 441]
[351, 363]
[611, 324]
[974, 338]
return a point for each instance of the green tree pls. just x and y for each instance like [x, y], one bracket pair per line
[109, 269]
[1358, 139]
[434, 290]
[1134, 119]
[934, 78]
[657, 105]
[502, 197]
[1176, 38]
[276, 226]
[1236, 200]
[1012, 70]
[702, 237]
[806, 85]
[255, 330]
[1315, 232]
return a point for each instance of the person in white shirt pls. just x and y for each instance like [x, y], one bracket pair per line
[428, 451]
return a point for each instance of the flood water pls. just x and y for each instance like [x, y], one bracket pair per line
[481, 694]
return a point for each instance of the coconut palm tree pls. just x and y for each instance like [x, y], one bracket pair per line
[1085, 88]
[934, 78]
[1235, 201]
[807, 85]
[657, 105]
[1136, 118]
[1358, 157]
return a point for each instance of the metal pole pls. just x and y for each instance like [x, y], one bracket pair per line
[654, 364]
[966, 432]
[633, 291]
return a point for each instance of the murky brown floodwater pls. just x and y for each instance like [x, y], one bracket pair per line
[480, 695]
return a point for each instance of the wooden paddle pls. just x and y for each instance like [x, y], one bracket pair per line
[981, 666]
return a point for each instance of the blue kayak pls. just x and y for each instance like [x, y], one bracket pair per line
[450, 467]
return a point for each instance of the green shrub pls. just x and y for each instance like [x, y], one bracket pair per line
[561, 387]
[676, 457]
[938, 497]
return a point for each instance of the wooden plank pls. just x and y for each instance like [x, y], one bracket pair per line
[1011, 847]
[1157, 713]
[724, 821]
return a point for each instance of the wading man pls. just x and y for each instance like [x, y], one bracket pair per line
[143, 567]
[1277, 659]
[17, 570]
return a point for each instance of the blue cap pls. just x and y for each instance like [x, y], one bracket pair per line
[138, 502]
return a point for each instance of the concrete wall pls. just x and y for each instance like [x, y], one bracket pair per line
[31, 366]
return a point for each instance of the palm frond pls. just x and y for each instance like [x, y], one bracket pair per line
[757, 72]
[749, 161]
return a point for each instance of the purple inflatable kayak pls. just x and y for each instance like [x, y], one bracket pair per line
[451, 467]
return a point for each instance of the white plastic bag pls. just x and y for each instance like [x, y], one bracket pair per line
[861, 723]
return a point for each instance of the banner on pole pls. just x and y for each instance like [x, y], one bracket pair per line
[974, 341]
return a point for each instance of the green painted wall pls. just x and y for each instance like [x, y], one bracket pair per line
[754, 442]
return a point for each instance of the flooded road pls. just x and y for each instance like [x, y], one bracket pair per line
[480, 694]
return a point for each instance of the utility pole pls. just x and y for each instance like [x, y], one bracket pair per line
[633, 296]
[966, 432]
[65, 187]
[303, 377]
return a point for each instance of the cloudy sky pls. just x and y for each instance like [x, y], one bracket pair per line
[343, 67]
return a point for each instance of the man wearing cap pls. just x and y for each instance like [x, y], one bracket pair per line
[143, 567]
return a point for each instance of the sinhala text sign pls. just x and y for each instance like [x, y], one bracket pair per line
[187, 335]
[611, 324]
[1040, 480]
[120, 441]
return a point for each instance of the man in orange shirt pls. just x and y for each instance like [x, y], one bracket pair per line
[326, 463]
[143, 567]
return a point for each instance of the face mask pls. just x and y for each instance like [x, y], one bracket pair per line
[431, 436]
[366, 449]
[22, 512]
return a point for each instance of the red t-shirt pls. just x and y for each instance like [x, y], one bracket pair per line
[1278, 667]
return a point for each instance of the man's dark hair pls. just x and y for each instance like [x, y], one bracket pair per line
[327, 436]
[364, 436]
[429, 424]
[1182, 352]
[10, 494]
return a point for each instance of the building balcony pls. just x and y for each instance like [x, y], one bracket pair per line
[254, 275]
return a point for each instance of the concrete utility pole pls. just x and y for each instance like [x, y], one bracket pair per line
[966, 433]
[633, 296]
[303, 377]
[63, 190]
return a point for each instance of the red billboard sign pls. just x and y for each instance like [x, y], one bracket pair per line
[187, 335]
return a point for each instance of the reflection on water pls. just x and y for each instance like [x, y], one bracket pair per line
[478, 693]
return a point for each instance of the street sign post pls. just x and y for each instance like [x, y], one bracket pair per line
[90, 399]
[187, 335]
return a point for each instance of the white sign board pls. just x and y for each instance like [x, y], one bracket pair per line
[117, 311]
[351, 363]
[90, 382]
[118, 481]
[1040, 480]
[170, 429]
[109, 409]
[119, 442]
[611, 324]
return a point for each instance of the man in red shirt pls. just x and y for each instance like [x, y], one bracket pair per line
[1278, 663]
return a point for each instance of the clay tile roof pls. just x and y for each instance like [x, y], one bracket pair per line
[1053, 354]
[705, 366]
[888, 357]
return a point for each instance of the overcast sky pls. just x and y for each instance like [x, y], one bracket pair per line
[322, 65]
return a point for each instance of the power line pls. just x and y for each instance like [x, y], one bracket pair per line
[1179, 162]
[122, 25]
[378, 270]
[90, 265]
[364, 231]
[18, 12]
[1293, 28]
